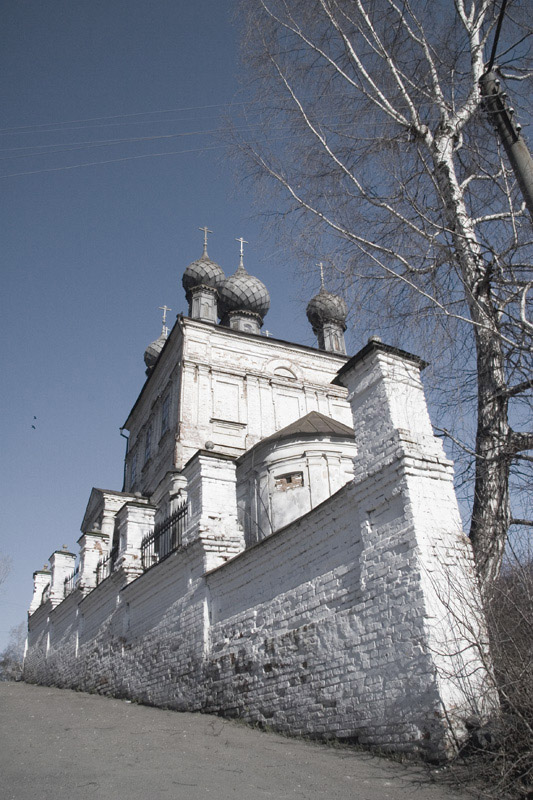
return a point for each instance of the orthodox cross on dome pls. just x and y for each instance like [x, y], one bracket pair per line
[243, 242]
[164, 309]
[206, 230]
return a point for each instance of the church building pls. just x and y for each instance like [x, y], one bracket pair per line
[286, 546]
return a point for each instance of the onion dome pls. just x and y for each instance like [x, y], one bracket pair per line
[326, 307]
[245, 293]
[151, 354]
[202, 272]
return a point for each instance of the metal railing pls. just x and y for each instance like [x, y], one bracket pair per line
[70, 582]
[104, 568]
[165, 538]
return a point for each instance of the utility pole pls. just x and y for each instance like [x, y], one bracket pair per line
[509, 133]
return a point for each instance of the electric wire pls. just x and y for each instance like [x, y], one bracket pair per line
[111, 161]
[122, 116]
[496, 36]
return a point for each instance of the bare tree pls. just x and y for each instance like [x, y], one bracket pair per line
[5, 567]
[12, 657]
[368, 116]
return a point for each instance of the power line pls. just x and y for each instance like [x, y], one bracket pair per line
[122, 116]
[496, 36]
[46, 127]
[111, 161]
[105, 143]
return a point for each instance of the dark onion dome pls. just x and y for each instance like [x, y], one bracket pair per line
[326, 307]
[202, 272]
[151, 354]
[244, 292]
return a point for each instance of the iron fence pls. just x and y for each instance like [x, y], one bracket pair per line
[104, 568]
[70, 582]
[165, 538]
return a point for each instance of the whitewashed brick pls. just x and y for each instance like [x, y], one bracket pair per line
[356, 619]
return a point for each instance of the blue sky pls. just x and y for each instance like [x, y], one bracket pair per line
[91, 252]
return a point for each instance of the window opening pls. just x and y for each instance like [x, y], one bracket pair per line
[292, 480]
[148, 444]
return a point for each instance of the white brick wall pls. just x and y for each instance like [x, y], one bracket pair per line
[356, 620]
[321, 628]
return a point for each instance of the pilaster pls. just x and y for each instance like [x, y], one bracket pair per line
[205, 403]
[318, 477]
[266, 396]
[253, 432]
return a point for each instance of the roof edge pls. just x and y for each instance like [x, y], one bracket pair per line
[377, 346]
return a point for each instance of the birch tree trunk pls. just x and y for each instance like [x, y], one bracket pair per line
[369, 118]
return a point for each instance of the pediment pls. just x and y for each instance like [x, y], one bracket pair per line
[101, 500]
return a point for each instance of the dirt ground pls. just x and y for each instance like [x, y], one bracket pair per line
[62, 745]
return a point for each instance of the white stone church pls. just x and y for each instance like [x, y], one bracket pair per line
[286, 547]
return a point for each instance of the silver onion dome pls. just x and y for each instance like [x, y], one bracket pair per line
[326, 307]
[244, 292]
[151, 354]
[202, 272]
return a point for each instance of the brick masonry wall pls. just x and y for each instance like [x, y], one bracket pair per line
[317, 630]
[142, 640]
[356, 621]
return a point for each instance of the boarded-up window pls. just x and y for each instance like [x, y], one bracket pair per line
[289, 481]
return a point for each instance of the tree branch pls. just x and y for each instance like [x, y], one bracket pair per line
[512, 391]
[521, 441]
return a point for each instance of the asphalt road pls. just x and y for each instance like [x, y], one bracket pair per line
[62, 745]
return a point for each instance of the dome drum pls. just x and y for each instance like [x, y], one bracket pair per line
[246, 321]
[327, 314]
[203, 303]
